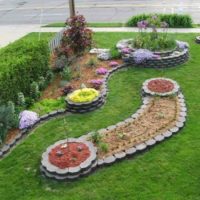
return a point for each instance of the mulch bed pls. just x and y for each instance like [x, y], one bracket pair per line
[160, 86]
[70, 154]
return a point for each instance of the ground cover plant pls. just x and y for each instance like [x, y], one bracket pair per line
[169, 171]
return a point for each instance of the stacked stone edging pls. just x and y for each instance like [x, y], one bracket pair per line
[51, 171]
[198, 39]
[163, 62]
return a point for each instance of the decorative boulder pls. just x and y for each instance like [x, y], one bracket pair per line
[104, 56]
[27, 119]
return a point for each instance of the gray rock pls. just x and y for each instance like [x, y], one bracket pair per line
[109, 159]
[120, 155]
[141, 146]
[130, 151]
[150, 142]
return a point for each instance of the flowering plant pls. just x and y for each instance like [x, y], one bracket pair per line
[141, 55]
[126, 50]
[96, 83]
[113, 64]
[27, 118]
[182, 45]
[83, 95]
[101, 71]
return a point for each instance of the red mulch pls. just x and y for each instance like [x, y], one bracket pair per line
[73, 155]
[160, 86]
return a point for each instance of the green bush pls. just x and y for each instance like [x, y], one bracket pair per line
[173, 20]
[20, 64]
[114, 53]
[8, 119]
[34, 91]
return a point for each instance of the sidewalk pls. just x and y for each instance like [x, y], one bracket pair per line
[10, 33]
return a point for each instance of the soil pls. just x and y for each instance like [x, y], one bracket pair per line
[160, 115]
[11, 135]
[160, 86]
[70, 154]
[82, 73]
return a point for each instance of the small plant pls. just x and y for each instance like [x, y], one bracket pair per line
[115, 54]
[42, 83]
[96, 137]
[104, 147]
[122, 136]
[60, 63]
[101, 71]
[21, 99]
[77, 72]
[92, 62]
[67, 89]
[34, 91]
[66, 74]
[96, 83]
[49, 76]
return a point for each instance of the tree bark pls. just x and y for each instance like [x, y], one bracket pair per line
[72, 8]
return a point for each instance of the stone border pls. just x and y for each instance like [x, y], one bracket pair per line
[86, 106]
[52, 171]
[198, 40]
[170, 59]
[149, 92]
[6, 148]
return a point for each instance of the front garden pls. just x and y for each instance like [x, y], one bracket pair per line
[168, 171]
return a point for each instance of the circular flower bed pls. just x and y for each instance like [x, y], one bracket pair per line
[69, 159]
[83, 95]
[160, 86]
[70, 154]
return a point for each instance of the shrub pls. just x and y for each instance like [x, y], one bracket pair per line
[83, 95]
[115, 54]
[66, 74]
[21, 99]
[8, 119]
[101, 71]
[42, 83]
[20, 64]
[96, 83]
[92, 62]
[173, 20]
[104, 147]
[34, 91]
[96, 137]
[49, 76]
[67, 89]
[77, 37]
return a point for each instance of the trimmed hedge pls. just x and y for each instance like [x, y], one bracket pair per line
[20, 64]
[174, 20]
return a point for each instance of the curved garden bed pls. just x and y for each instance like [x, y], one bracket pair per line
[162, 59]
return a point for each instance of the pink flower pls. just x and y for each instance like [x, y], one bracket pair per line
[126, 50]
[113, 64]
[101, 71]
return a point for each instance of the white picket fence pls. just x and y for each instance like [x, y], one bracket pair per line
[56, 41]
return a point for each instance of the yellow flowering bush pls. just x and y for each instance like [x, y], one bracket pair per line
[83, 95]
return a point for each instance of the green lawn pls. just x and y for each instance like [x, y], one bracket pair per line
[169, 171]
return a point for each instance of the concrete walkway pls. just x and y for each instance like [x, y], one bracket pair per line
[10, 33]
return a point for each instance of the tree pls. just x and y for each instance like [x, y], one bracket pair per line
[72, 8]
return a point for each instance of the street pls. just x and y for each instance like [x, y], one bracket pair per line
[48, 11]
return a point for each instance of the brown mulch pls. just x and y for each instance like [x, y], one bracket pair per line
[160, 85]
[11, 135]
[159, 116]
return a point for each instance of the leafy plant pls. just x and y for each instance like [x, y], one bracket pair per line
[115, 54]
[42, 83]
[49, 76]
[66, 74]
[96, 137]
[92, 62]
[67, 89]
[34, 91]
[21, 99]
[77, 37]
[104, 147]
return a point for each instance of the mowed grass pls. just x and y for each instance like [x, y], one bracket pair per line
[169, 171]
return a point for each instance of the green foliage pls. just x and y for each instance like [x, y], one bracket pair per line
[173, 20]
[96, 137]
[47, 105]
[42, 83]
[115, 53]
[49, 76]
[20, 64]
[66, 74]
[34, 91]
[92, 62]
[8, 119]
[148, 41]
[21, 99]
[104, 147]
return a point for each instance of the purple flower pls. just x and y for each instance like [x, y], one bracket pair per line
[101, 71]
[126, 50]
[142, 24]
[27, 118]
[113, 64]
[182, 45]
[141, 55]
[96, 83]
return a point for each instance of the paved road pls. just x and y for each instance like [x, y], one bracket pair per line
[30, 11]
